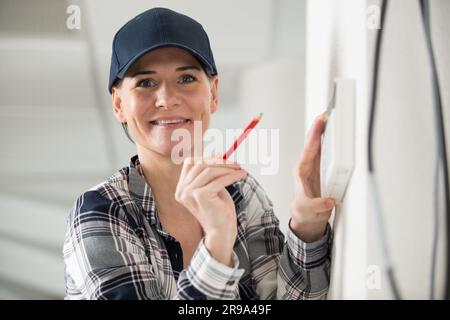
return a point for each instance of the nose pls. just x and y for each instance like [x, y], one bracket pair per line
[166, 97]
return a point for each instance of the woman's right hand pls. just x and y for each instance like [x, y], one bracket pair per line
[201, 189]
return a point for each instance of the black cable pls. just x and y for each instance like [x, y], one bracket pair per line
[373, 104]
[373, 100]
[437, 164]
[435, 233]
[441, 143]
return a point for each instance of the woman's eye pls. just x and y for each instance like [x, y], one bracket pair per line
[146, 83]
[187, 79]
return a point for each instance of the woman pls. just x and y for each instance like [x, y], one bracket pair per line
[196, 230]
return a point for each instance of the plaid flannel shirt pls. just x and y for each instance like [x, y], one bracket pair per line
[116, 248]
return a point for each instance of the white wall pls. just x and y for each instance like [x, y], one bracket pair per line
[340, 45]
[336, 47]
[405, 145]
[275, 90]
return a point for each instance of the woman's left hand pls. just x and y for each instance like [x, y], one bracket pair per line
[310, 212]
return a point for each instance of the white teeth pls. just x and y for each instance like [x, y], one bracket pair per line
[169, 121]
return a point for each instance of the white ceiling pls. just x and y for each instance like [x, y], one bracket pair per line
[34, 37]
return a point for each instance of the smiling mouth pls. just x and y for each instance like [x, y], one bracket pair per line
[173, 122]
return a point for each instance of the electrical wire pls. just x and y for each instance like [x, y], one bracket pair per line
[375, 71]
[378, 208]
[435, 225]
[389, 269]
[441, 152]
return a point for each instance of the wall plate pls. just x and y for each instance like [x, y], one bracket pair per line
[338, 142]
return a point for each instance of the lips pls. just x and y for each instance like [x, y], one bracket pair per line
[169, 121]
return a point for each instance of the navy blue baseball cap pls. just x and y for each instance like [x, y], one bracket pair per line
[157, 28]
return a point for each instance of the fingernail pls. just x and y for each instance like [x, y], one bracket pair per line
[329, 203]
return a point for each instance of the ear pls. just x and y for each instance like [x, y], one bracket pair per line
[117, 105]
[214, 94]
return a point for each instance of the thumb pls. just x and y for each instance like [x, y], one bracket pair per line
[322, 204]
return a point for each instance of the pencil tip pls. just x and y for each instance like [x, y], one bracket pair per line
[260, 116]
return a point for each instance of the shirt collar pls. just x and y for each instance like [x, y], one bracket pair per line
[141, 192]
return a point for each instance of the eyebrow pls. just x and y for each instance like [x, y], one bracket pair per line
[153, 72]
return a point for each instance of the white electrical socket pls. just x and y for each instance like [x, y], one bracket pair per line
[338, 142]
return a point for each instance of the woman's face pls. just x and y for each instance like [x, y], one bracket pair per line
[164, 85]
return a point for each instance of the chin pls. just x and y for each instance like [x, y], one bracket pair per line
[164, 147]
[166, 151]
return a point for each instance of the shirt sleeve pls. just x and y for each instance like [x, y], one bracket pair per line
[308, 265]
[208, 277]
[104, 259]
[282, 269]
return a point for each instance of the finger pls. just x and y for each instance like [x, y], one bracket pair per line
[210, 162]
[188, 164]
[313, 141]
[200, 167]
[215, 161]
[311, 149]
[193, 172]
[316, 205]
[218, 161]
[209, 174]
[219, 183]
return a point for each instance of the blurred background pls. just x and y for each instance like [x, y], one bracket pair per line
[58, 133]
[59, 138]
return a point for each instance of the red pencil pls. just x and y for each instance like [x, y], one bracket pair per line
[243, 135]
